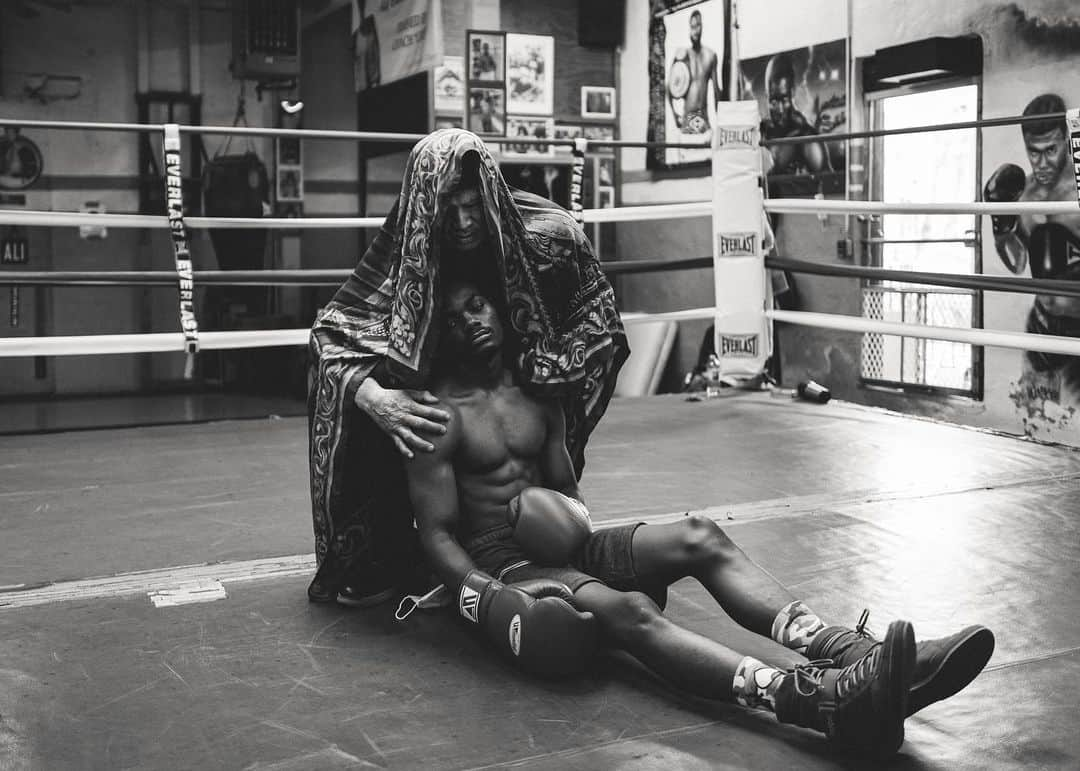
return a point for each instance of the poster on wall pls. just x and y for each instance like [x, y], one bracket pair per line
[449, 86]
[801, 92]
[686, 77]
[392, 41]
[1037, 165]
[536, 128]
[530, 74]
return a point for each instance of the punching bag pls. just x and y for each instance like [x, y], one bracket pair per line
[238, 186]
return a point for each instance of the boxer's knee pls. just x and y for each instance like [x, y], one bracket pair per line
[634, 618]
[702, 542]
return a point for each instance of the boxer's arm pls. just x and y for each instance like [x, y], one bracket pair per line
[555, 464]
[433, 490]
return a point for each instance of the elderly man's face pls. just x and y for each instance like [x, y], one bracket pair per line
[464, 228]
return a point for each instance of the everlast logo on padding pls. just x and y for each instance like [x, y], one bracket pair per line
[736, 136]
[738, 345]
[1073, 119]
[735, 244]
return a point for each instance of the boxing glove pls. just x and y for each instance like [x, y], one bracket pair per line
[534, 623]
[548, 526]
[1005, 185]
[1051, 248]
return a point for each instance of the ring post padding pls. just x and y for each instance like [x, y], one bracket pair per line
[1072, 120]
[577, 177]
[742, 332]
[174, 202]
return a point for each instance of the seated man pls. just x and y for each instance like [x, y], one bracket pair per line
[501, 445]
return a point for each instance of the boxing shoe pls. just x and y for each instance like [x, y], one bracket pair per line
[860, 707]
[943, 666]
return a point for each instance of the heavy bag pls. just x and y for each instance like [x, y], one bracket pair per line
[237, 186]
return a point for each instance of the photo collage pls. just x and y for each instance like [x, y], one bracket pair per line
[504, 87]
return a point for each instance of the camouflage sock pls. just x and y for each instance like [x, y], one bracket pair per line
[755, 684]
[795, 626]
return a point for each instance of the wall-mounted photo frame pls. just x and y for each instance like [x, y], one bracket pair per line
[449, 86]
[567, 131]
[593, 133]
[486, 51]
[605, 171]
[605, 197]
[537, 128]
[530, 74]
[289, 151]
[487, 111]
[290, 184]
[550, 180]
[598, 102]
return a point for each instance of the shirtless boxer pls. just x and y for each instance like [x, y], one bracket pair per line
[1049, 243]
[502, 521]
[693, 79]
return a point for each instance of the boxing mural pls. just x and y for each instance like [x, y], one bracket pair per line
[687, 69]
[1047, 392]
[802, 92]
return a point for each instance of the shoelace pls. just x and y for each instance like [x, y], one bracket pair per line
[860, 628]
[852, 677]
[810, 672]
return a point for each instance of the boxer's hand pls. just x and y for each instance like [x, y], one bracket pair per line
[1005, 185]
[533, 622]
[404, 416]
[548, 526]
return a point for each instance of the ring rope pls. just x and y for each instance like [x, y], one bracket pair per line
[80, 345]
[1018, 284]
[1010, 120]
[1025, 341]
[309, 277]
[616, 214]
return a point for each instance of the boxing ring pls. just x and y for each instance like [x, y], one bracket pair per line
[152, 588]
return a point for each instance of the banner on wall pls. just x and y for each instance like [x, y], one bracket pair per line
[802, 92]
[687, 57]
[743, 342]
[393, 39]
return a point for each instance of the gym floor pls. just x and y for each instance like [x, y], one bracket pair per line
[153, 611]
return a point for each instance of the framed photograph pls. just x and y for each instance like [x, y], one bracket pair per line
[567, 131]
[605, 171]
[605, 197]
[537, 128]
[549, 180]
[449, 121]
[449, 86]
[289, 151]
[487, 111]
[530, 74]
[600, 132]
[487, 56]
[290, 209]
[598, 102]
[686, 54]
[290, 184]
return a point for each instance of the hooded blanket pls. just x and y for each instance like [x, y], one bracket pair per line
[564, 332]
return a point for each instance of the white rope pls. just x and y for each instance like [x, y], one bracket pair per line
[163, 342]
[76, 219]
[158, 342]
[1024, 341]
[817, 206]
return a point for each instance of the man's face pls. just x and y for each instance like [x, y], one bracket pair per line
[473, 328]
[1047, 153]
[464, 228]
[780, 104]
[695, 30]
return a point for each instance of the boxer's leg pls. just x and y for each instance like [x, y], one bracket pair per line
[862, 706]
[697, 547]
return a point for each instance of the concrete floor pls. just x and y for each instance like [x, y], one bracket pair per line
[848, 506]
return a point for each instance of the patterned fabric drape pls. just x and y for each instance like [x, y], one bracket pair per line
[564, 328]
